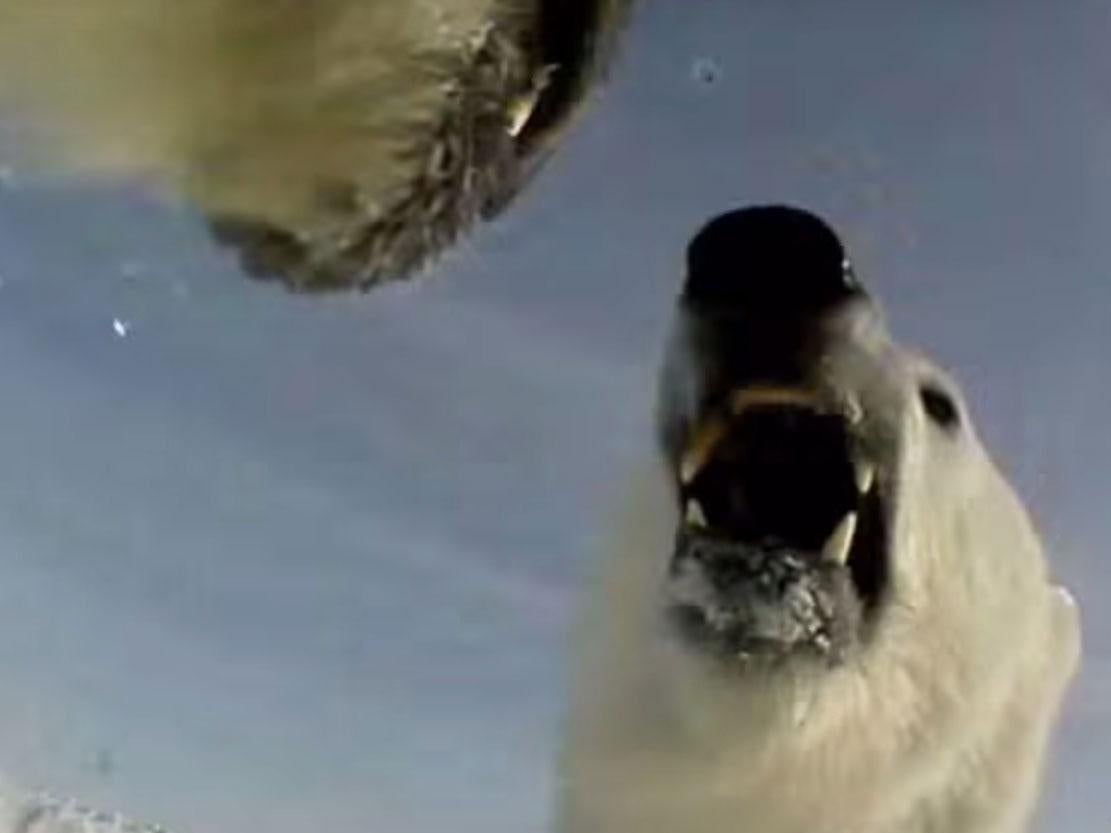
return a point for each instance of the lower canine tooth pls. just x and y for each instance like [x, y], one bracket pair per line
[865, 477]
[695, 516]
[840, 541]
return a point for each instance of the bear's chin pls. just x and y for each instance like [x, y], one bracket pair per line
[776, 605]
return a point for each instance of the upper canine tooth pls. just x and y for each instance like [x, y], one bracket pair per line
[695, 516]
[865, 477]
[840, 541]
[689, 466]
[520, 111]
[698, 452]
[522, 108]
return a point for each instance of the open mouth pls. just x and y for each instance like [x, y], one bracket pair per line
[514, 89]
[781, 547]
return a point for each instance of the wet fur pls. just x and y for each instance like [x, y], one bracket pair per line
[336, 142]
[939, 724]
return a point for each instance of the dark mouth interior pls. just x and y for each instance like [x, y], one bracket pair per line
[784, 476]
[781, 474]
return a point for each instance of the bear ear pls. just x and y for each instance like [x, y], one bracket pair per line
[335, 145]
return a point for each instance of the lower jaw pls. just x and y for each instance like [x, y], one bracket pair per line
[760, 604]
[742, 647]
[815, 618]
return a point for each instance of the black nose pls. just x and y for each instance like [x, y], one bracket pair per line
[767, 259]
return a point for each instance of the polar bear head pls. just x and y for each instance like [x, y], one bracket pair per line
[834, 504]
[827, 583]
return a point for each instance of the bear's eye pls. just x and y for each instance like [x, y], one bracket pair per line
[940, 407]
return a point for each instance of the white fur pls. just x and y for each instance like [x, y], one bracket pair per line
[938, 726]
[248, 107]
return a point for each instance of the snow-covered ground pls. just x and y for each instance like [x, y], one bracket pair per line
[22, 812]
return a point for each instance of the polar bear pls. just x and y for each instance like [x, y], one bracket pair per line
[829, 612]
[336, 143]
